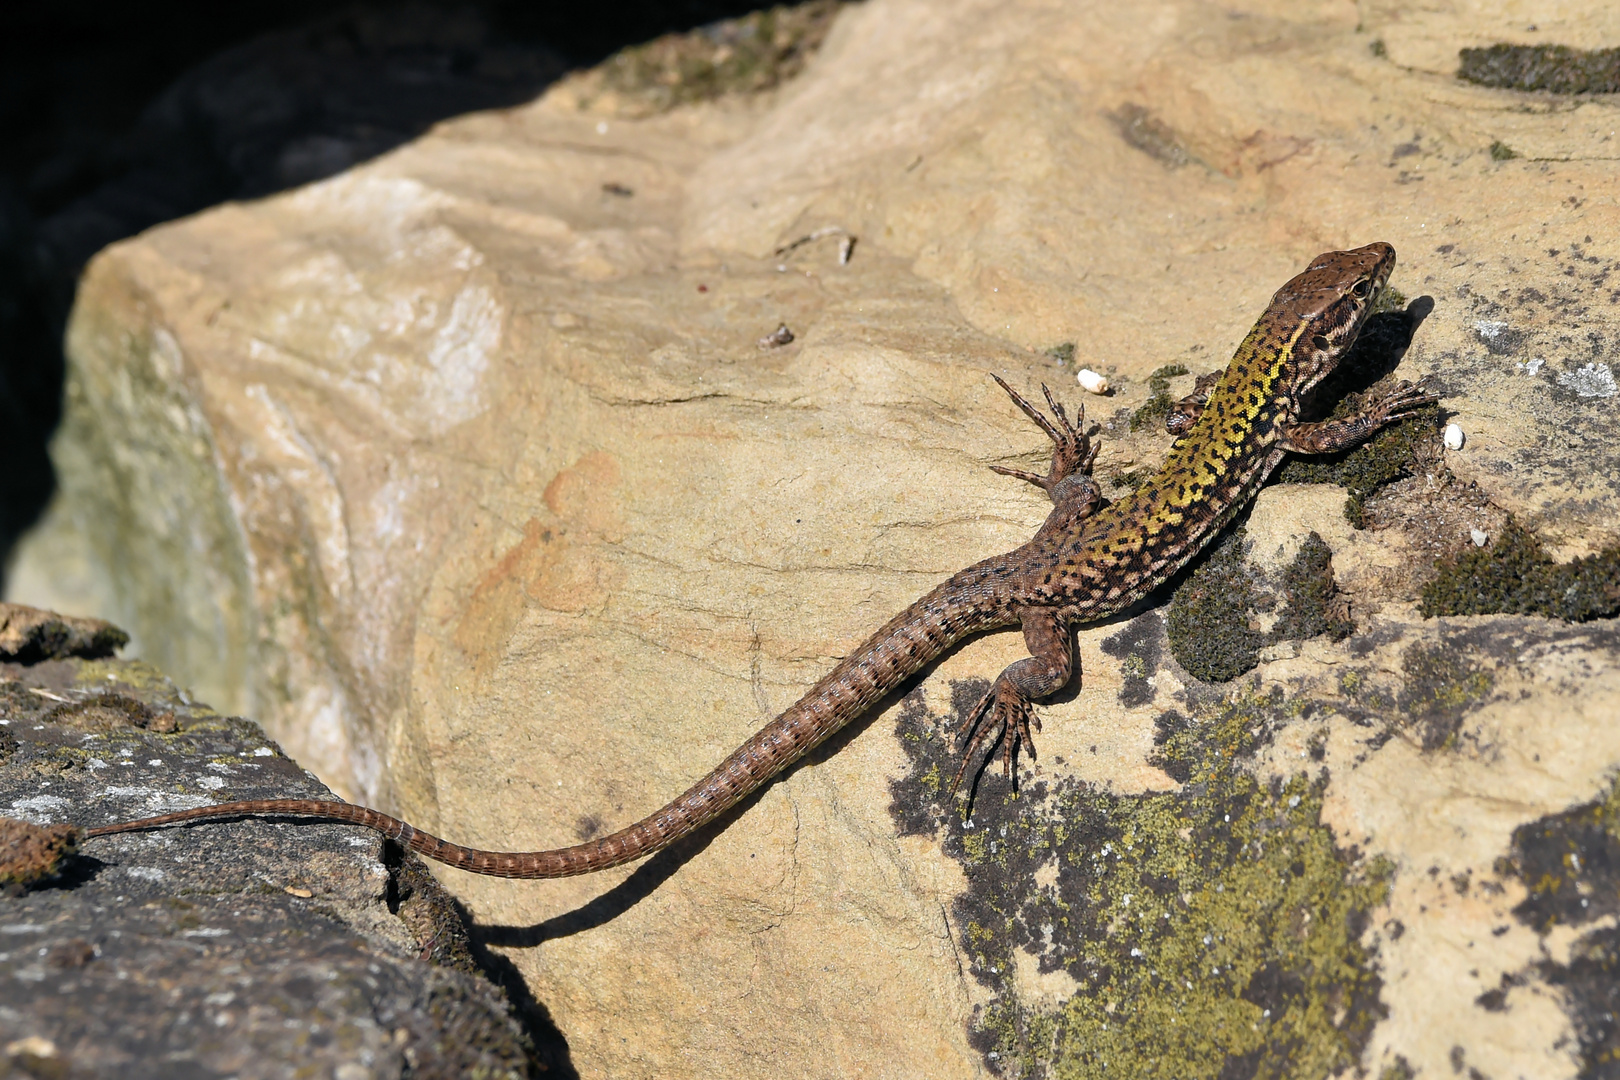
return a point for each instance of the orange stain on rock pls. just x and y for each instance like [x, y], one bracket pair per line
[556, 565]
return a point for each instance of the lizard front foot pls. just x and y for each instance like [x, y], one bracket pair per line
[1330, 436]
[1406, 400]
[1185, 413]
[1003, 715]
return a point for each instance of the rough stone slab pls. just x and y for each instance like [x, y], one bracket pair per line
[466, 474]
[251, 949]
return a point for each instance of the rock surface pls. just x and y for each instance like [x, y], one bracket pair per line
[465, 472]
[247, 949]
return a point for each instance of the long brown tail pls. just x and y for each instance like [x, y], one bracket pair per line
[965, 604]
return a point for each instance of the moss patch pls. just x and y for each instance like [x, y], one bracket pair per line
[1208, 619]
[1515, 575]
[745, 55]
[1158, 404]
[1313, 607]
[1389, 300]
[1555, 68]
[1210, 932]
[1386, 457]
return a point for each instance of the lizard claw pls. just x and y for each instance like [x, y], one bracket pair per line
[1072, 451]
[1002, 716]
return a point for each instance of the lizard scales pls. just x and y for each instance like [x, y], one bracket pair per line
[1084, 564]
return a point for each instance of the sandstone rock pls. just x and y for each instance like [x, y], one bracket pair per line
[463, 470]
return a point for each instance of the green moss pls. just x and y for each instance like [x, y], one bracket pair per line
[1384, 458]
[1515, 575]
[1313, 608]
[1555, 68]
[1062, 354]
[1207, 623]
[1208, 620]
[734, 56]
[1213, 931]
[1159, 402]
[1501, 151]
[1389, 299]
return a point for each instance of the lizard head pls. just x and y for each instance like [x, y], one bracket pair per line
[1329, 303]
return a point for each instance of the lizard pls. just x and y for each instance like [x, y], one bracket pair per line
[1088, 561]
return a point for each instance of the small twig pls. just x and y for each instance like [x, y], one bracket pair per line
[846, 246]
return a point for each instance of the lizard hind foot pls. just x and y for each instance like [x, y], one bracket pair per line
[1003, 716]
[1073, 452]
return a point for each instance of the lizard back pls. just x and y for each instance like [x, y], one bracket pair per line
[1128, 549]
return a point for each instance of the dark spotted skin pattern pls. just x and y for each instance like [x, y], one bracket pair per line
[1084, 564]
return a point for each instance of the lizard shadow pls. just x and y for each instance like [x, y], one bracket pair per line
[1377, 352]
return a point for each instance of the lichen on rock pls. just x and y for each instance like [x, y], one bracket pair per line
[1442, 683]
[743, 55]
[1206, 930]
[1569, 864]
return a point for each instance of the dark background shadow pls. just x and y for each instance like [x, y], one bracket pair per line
[115, 117]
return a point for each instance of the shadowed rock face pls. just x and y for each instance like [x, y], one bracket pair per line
[465, 471]
[251, 949]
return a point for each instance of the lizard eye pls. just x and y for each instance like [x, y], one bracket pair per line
[1321, 343]
[1361, 288]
